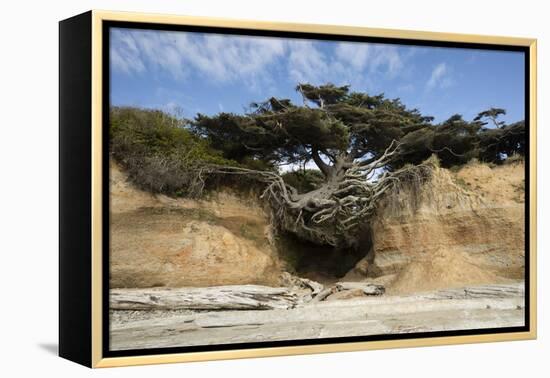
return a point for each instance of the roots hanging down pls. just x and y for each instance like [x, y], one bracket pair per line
[332, 213]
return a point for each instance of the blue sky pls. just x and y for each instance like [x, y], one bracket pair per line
[190, 73]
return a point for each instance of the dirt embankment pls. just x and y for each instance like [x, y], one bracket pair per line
[161, 241]
[460, 228]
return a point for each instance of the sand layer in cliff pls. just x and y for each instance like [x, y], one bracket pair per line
[462, 227]
[161, 241]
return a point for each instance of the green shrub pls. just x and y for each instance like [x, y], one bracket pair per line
[304, 180]
[159, 153]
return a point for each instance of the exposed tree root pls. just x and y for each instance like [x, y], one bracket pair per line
[332, 213]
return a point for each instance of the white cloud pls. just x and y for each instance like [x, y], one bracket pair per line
[220, 59]
[387, 58]
[351, 62]
[440, 77]
[125, 57]
[134, 51]
[228, 59]
[215, 57]
[376, 58]
[306, 63]
[353, 53]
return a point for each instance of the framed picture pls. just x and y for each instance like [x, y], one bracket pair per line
[234, 189]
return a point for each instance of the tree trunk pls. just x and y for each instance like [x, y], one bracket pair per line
[333, 213]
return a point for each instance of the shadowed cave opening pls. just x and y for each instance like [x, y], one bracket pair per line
[324, 263]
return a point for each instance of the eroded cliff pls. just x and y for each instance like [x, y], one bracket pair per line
[162, 241]
[459, 228]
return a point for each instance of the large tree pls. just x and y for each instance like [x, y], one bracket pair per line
[352, 138]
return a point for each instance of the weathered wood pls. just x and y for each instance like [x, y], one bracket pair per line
[368, 315]
[324, 294]
[296, 283]
[234, 297]
[305, 289]
[486, 291]
[367, 288]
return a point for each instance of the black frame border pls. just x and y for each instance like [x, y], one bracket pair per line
[75, 189]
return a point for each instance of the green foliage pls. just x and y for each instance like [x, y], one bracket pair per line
[304, 180]
[333, 120]
[455, 142]
[498, 144]
[157, 150]
[154, 133]
[330, 121]
[333, 125]
[272, 136]
[491, 114]
[324, 94]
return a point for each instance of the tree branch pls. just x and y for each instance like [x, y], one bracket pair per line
[324, 167]
[331, 213]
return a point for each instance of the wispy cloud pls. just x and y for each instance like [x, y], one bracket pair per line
[125, 56]
[222, 59]
[306, 63]
[215, 57]
[387, 59]
[375, 58]
[355, 54]
[440, 77]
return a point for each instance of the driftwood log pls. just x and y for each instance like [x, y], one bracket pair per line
[366, 287]
[255, 297]
[485, 291]
[297, 283]
[235, 297]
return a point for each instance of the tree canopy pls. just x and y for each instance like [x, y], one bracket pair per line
[334, 123]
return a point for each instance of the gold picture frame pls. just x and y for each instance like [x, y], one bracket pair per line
[90, 330]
